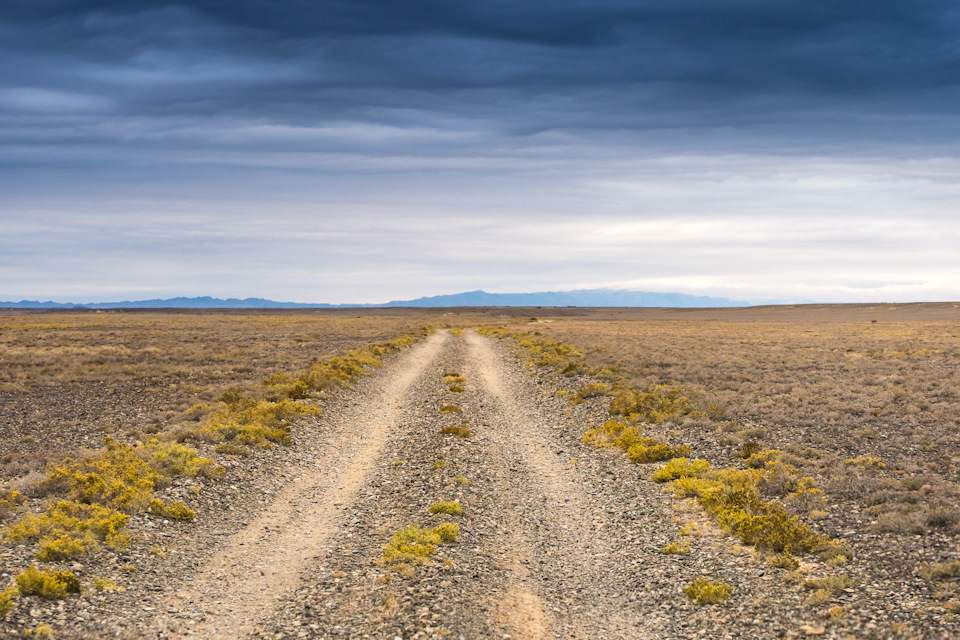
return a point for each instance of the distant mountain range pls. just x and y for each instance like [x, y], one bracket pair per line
[580, 298]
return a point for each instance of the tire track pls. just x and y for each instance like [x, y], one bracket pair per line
[257, 567]
[557, 545]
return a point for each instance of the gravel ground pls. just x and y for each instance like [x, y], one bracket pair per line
[557, 539]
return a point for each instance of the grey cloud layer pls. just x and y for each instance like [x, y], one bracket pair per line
[525, 67]
[702, 145]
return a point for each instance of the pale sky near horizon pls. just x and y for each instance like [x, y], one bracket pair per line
[366, 150]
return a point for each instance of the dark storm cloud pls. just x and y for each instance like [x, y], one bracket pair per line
[524, 67]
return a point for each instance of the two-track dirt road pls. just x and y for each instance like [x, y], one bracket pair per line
[557, 539]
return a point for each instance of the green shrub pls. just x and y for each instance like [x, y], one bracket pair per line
[450, 408]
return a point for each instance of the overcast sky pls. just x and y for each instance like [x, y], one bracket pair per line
[367, 150]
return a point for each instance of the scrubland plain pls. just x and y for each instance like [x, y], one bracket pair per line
[762, 472]
[848, 416]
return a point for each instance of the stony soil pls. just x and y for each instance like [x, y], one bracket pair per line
[557, 539]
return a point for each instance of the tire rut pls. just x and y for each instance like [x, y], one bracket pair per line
[562, 583]
[244, 582]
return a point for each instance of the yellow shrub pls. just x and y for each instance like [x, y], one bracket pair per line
[676, 548]
[865, 463]
[450, 508]
[174, 459]
[65, 546]
[6, 600]
[654, 404]
[173, 510]
[655, 452]
[761, 458]
[703, 591]
[67, 527]
[116, 477]
[680, 468]
[42, 631]
[414, 545]
[105, 584]
[9, 501]
[47, 584]
[607, 435]
[733, 496]
[457, 430]
[592, 390]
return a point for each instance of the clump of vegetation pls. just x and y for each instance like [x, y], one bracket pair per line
[785, 561]
[652, 451]
[676, 548]
[592, 390]
[100, 490]
[748, 449]
[105, 584]
[456, 332]
[831, 584]
[457, 430]
[173, 510]
[69, 529]
[865, 463]
[9, 501]
[175, 459]
[415, 545]
[451, 377]
[450, 408]
[639, 448]
[452, 508]
[734, 497]
[42, 631]
[241, 421]
[6, 600]
[659, 402]
[680, 468]
[230, 449]
[940, 571]
[47, 584]
[760, 458]
[547, 352]
[703, 591]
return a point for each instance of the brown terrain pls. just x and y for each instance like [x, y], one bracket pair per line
[448, 491]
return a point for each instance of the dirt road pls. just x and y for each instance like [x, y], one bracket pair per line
[556, 539]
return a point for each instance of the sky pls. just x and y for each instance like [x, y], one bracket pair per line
[374, 150]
